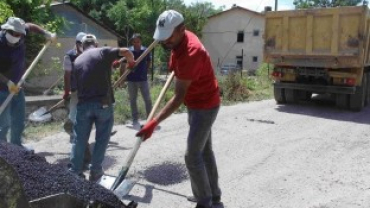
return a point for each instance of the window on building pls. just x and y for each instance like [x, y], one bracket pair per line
[255, 58]
[256, 32]
[240, 38]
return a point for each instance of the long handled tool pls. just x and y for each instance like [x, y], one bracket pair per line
[57, 105]
[142, 56]
[47, 91]
[23, 78]
[122, 174]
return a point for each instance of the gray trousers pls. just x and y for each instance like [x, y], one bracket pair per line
[199, 158]
[133, 88]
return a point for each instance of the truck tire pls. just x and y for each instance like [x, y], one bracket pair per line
[291, 95]
[357, 100]
[367, 99]
[279, 94]
[342, 101]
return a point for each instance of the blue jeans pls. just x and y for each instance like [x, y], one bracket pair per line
[13, 117]
[199, 157]
[89, 113]
[133, 88]
[72, 112]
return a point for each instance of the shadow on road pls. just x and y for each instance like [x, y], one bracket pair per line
[323, 106]
[147, 198]
[166, 174]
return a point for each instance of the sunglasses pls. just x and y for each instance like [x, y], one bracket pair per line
[14, 34]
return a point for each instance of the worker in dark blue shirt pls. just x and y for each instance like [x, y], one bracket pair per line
[92, 70]
[13, 64]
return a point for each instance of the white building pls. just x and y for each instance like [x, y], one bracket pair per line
[234, 36]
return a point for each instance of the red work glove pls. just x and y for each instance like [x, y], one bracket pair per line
[131, 65]
[147, 131]
[66, 95]
[116, 63]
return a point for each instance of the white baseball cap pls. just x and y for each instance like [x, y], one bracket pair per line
[79, 36]
[15, 24]
[166, 23]
[89, 38]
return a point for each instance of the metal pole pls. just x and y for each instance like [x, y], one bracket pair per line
[153, 49]
[276, 5]
[241, 68]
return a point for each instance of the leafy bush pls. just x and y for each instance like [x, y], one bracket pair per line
[236, 87]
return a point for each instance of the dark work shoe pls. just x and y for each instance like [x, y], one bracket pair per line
[215, 199]
[202, 206]
[191, 198]
[94, 177]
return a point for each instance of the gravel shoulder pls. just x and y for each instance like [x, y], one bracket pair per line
[310, 155]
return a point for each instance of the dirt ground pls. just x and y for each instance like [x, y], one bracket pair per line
[290, 156]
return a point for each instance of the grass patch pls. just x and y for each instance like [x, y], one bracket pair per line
[35, 132]
[235, 88]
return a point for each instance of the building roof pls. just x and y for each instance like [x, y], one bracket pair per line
[55, 3]
[233, 8]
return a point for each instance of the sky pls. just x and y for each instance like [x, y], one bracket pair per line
[255, 5]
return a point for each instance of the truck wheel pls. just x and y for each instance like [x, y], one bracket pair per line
[367, 99]
[341, 101]
[279, 94]
[291, 95]
[357, 100]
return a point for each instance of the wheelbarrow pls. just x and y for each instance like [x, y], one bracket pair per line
[13, 194]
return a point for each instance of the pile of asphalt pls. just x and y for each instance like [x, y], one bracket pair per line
[41, 179]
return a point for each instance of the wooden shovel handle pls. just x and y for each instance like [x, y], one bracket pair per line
[137, 61]
[23, 78]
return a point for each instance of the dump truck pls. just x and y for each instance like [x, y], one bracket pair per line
[320, 51]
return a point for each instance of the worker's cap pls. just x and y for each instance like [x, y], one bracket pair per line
[135, 35]
[79, 36]
[166, 23]
[15, 24]
[89, 38]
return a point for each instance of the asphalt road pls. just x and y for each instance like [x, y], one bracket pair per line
[290, 156]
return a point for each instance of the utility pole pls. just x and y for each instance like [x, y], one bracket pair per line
[276, 5]
[153, 18]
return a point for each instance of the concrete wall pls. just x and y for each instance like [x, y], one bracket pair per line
[220, 38]
[51, 65]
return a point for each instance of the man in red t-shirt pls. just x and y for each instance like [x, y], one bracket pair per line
[196, 86]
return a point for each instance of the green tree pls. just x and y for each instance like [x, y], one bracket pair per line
[132, 16]
[35, 11]
[299, 4]
[5, 11]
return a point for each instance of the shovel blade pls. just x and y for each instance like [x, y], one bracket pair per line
[106, 181]
[41, 115]
[123, 189]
